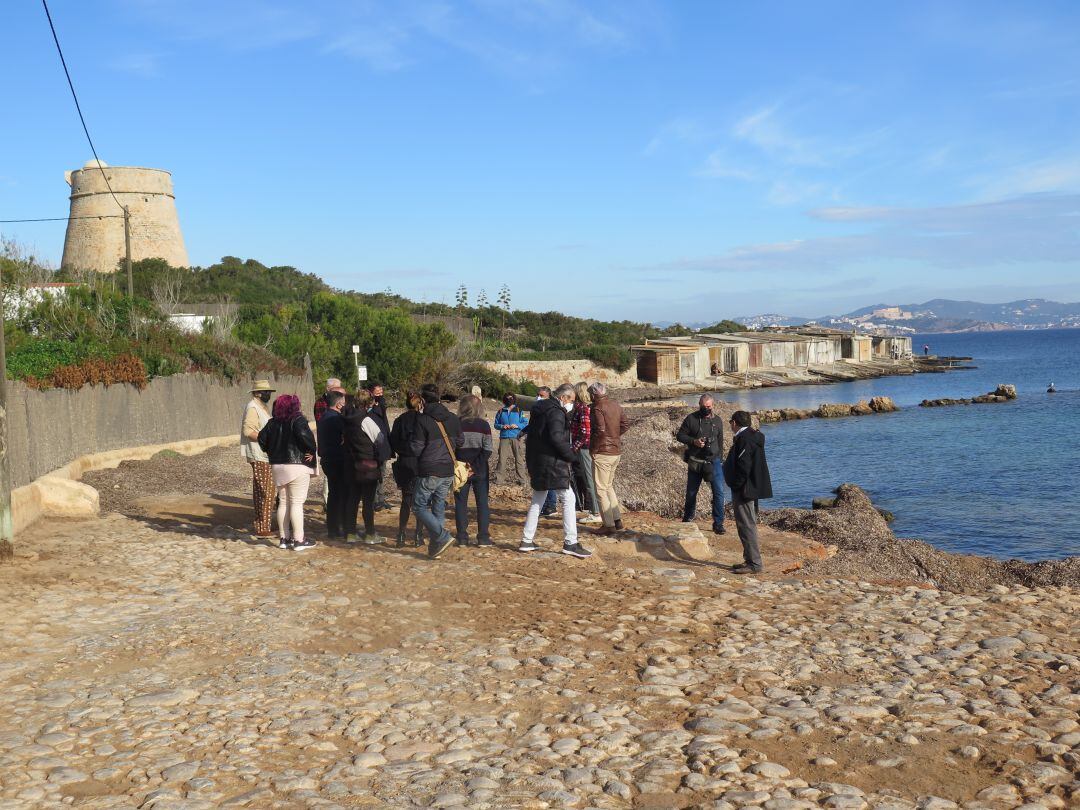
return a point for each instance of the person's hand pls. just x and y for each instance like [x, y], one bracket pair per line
[699, 442]
[309, 457]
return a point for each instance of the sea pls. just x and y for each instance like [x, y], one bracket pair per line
[999, 480]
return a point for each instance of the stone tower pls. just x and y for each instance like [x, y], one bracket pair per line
[98, 244]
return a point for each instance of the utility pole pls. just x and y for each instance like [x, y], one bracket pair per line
[127, 251]
[7, 529]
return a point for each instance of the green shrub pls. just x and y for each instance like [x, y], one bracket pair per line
[491, 382]
[618, 358]
[39, 358]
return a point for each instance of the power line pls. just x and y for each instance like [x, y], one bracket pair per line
[62, 219]
[78, 109]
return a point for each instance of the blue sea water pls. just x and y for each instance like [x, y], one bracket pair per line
[999, 480]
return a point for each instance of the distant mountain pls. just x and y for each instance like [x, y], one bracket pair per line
[943, 315]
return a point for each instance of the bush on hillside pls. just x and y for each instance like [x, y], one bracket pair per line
[493, 383]
[618, 358]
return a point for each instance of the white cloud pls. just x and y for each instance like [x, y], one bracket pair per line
[146, 65]
[1054, 174]
[1035, 228]
[763, 129]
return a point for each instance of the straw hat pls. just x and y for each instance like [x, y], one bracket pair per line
[262, 385]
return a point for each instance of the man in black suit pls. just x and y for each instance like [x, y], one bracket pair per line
[747, 473]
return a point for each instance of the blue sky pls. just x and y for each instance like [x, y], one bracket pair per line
[617, 158]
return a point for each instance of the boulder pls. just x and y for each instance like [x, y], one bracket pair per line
[861, 408]
[883, 405]
[1005, 391]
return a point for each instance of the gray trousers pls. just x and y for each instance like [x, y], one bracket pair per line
[511, 448]
[746, 523]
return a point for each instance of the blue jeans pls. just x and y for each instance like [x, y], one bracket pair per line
[550, 501]
[429, 504]
[479, 487]
[693, 483]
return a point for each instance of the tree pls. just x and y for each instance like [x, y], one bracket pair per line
[462, 296]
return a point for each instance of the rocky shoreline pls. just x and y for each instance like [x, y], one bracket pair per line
[652, 477]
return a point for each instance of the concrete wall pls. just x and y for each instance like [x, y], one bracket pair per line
[49, 429]
[556, 372]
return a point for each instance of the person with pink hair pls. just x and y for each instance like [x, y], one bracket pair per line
[289, 443]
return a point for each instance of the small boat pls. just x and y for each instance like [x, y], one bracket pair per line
[1052, 389]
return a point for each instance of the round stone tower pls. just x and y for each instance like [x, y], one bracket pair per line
[98, 244]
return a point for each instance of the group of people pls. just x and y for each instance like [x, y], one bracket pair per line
[566, 449]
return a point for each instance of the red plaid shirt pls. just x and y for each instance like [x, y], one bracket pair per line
[580, 426]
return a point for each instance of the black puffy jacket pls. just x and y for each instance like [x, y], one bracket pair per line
[287, 443]
[746, 470]
[548, 455]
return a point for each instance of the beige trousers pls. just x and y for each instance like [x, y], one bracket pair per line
[604, 474]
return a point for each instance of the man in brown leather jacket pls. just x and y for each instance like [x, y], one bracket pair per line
[609, 423]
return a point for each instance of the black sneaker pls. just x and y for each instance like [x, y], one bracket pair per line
[577, 550]
[285, 545]
[528, 545]
[719, 530]
[303, 545]
[437, 547]
[743, 568]
[484, 541]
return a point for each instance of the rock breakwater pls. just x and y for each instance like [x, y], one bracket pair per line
[1003, 393]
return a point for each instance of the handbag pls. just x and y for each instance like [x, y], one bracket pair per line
[701, 467]
[461, 469]
[366, 469]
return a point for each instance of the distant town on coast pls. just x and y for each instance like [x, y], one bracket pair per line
[941, 315]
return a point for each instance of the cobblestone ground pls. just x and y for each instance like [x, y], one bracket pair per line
[174, 664]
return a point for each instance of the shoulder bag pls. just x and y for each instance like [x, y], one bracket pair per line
[461, 469]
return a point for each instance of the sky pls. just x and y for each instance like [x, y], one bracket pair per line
[661, 161]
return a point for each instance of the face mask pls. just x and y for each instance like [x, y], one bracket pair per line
[568, 406]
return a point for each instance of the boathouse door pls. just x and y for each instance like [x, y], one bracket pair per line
[730, 363]
[687, 366]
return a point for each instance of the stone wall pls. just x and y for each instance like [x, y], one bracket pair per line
[48, 429]
[94, 243]
[556, 372]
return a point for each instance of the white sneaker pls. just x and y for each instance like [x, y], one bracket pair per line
[592, 519]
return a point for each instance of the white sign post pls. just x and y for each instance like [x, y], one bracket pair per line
[360, 376]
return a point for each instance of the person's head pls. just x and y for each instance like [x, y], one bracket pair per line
[509, 400]
[706, 404]
[376, 389]
[414, 402]
[430, 393]
[543, 392]
[286, 407]
[333, 383]
[740, 420]
[597, 390]
[262, 390]
[335, 400]
[470, 406]
[565, 395]
[582, 392]
[363, 399]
